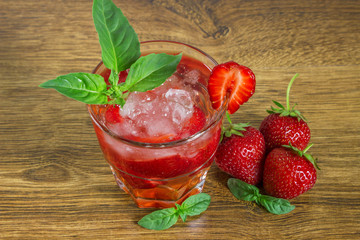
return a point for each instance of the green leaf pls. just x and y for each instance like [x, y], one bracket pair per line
[240, 126]
[236, 132]
[196, 204]
[243, 190]
[275, 110]
[84, 87]
[165, 218]
[278, 104]
[275, 205]
[312, 160]
[119, 43]
[248, 192]
[160, 219]
[150, 71]
[234, 128]
[228, 117]
[303, 153]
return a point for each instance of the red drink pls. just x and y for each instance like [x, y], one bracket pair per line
[161, 143]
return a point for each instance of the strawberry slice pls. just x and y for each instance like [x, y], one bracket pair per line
[233, 81]
[195, 123]
[112, 114]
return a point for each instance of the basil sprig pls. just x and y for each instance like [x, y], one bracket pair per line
[120, 50]
[248, 192]
[165, 218]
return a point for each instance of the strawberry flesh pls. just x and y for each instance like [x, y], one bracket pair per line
[233, 81]
[112, 114]
[195, 123]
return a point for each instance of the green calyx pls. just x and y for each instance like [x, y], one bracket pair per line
[233, 128]
[292, 112]
[303, 153]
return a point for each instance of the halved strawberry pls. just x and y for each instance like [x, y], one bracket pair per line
[112, 114]
[233, 81]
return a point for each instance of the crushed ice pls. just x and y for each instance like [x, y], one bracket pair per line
[161, 111]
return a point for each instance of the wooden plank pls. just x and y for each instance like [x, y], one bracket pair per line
[54, 180]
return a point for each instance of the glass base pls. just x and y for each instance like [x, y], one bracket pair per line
[161, 193]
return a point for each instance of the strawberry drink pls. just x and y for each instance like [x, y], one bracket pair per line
[151, 110]
[161, 142]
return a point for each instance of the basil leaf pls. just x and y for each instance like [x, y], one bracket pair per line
[119, 43]
[275, 205]
[150, 71]
[243, 190]
[84, 87]
[160, 219]
[248, 192]
[194, 205]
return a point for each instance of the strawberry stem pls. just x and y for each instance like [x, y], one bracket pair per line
[288, 92]
[282, 111]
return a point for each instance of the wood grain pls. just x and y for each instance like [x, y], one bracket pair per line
[54, 182]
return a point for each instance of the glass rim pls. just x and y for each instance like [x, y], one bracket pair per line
[218, 115]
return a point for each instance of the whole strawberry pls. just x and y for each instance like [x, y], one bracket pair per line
[241, 152]
[289, 172]
[284, 126]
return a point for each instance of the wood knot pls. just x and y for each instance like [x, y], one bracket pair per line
[48, 173]
[201, 14]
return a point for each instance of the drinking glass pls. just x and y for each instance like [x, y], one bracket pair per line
[158, 175]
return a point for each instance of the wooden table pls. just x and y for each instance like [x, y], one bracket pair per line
[54, 182]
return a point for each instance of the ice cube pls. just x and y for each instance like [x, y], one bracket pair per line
[179, 96]
[138, 103]
[160, 127]
[158, 112]
[180, 104]
[192, 76]
[172, 82]
[126, 128]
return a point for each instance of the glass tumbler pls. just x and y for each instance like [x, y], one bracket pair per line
[158, 175]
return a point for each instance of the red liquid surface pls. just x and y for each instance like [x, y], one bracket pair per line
[160, 177]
